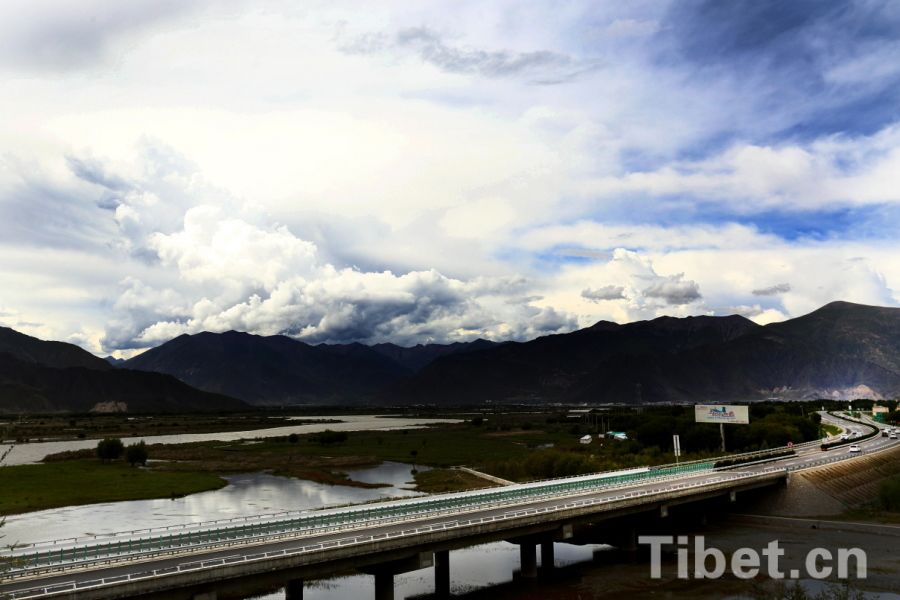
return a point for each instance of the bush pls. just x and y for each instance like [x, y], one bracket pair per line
[136, 454]
[293, 438]
[110, 449]
[328, 436]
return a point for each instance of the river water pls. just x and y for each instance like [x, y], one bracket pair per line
[36, 451]
[246, 495]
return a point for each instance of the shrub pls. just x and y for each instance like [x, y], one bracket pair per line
[110, 449]
[136, 454]
[328, 436]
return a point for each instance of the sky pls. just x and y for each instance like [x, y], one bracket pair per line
[441, 171]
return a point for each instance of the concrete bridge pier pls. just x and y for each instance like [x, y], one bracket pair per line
[384, 573]
[629, 544]
[384, 585]
[442, 573]
[528, 559]
[205, 596]
[293, 590]
[548, 557]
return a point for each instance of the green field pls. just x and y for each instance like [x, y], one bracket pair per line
[35, 487]
[831, 430]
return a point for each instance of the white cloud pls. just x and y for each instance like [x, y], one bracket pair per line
[268, 281]
[827, 172]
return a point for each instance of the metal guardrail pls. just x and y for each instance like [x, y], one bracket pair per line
[39, 591]
[684, 467]
[687, 466]
[320, 522]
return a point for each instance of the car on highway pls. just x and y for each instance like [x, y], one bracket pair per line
[845, 436]
[893, 436]
[855, 448]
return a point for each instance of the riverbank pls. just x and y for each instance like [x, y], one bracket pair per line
[43, 428]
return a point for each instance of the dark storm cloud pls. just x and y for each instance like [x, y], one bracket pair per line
[774, 290]
[674, 290]
[607, 292]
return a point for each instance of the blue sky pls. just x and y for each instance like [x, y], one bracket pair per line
[441, 171]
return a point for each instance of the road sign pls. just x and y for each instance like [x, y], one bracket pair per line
[676, 442]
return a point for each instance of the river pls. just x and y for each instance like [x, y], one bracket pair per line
[35, 451]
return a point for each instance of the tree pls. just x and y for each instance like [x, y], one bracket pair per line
[110, 449]
[136, 453]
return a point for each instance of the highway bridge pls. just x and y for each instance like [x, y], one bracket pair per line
[197, 561]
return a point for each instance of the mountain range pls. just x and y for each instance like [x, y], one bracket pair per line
[42, 376]
[279, 370]
[842, 350]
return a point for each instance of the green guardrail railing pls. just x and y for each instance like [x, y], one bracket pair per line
[873, 431]
[325, 520]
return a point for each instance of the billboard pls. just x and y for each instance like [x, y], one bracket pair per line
[719, 413]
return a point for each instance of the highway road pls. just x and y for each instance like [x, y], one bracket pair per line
[83, 571]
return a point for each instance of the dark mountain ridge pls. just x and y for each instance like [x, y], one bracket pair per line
[271, 370]
[51, 354]
[840, 350]
[550, 367]
[42, 376]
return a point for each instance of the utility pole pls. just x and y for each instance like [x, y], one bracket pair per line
[722, 433]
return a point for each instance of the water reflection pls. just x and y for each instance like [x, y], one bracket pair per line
[36, 451]
[471, 569]
[250, 494]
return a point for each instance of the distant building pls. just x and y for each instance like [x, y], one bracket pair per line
[880, 413]
[617, 435]
[586, 439]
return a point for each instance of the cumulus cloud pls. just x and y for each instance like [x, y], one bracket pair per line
[606, 292]
[674, 290]
[772, 290]
[266, 280]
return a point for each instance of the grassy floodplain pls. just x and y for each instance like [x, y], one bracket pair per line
[87, 481]
[519, 445]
